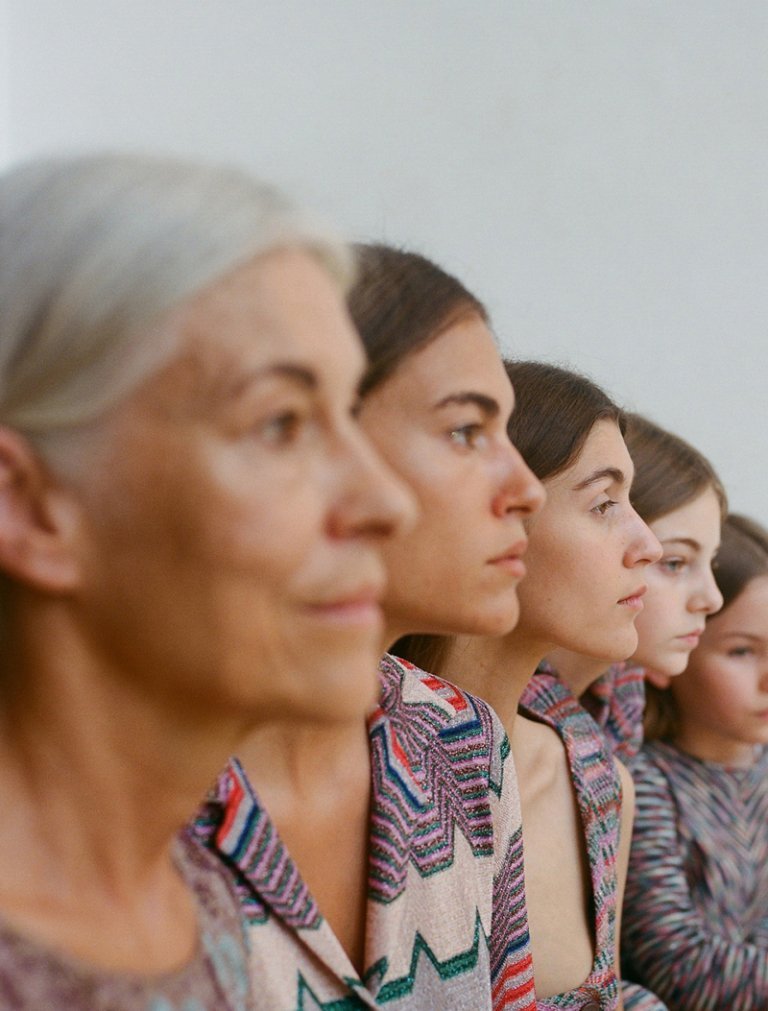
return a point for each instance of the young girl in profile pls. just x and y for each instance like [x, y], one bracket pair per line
[696, 910]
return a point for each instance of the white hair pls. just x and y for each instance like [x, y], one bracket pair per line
[96, 250]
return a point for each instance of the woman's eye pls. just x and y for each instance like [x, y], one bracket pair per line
[468, 436]
[602, 508]
[355, 408]
[672, 564]
[281, 429]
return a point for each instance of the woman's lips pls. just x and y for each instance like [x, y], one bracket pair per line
[511, 560]
[357, 607]
[511, 564]
[635, 600]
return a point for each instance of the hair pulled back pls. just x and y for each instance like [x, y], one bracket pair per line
[400, 302]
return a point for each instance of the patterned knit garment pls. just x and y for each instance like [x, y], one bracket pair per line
[616, 701]
[446, 921]
[598, 794]
[695, 923]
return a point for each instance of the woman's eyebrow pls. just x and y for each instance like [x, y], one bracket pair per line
[617, 477]
[488, 405]
[286, 370]
[688, 541]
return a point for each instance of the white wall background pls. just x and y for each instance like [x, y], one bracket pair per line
[597, 171]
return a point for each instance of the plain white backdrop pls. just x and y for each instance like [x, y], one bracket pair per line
[597, 171]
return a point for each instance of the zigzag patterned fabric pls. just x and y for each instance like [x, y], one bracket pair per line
[598, 793]
[446, 925]
[696, 910]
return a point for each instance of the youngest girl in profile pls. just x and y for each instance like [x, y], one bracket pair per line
[695, 924]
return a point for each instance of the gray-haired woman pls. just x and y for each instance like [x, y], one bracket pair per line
[189, 521]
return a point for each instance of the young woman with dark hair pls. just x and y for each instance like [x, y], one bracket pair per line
[695, 919]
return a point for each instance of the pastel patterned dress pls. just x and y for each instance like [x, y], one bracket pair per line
[598, 793]
[696, 911]
[446, 920]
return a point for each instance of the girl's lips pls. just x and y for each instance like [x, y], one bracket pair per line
[690, 639]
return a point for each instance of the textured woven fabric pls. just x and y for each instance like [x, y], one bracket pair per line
[33, 978]
[616, 702]
[637, 998]
[446, 922]
[695, 922]
[598, 793]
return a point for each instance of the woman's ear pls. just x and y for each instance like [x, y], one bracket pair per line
[38, 519]
[657, 679]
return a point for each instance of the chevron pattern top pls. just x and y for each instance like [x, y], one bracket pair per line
[446, 921]
[598, 793]
[696, 909]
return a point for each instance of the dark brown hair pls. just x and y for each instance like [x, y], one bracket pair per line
[555, 410]
[400, 302]
[668, 471]
[743, 556]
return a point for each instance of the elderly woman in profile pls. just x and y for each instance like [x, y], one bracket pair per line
[189, 524]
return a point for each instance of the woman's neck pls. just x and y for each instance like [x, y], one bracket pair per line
[315, 782]
[291, 763]
[99, 773]
[99, 770]
[495, 669]
[710, 746]
[578, 671]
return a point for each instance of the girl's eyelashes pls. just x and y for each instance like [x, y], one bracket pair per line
[673, 564]
[741, 651]
[603, 508]
[470, 436]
